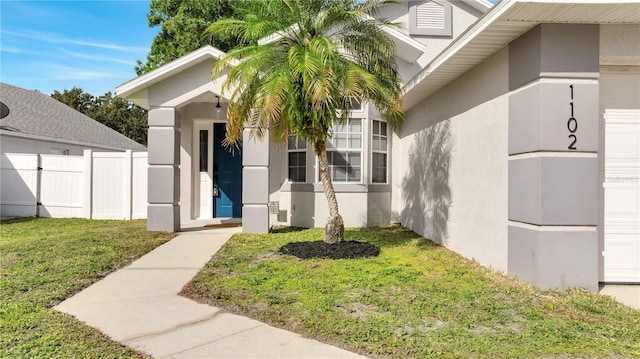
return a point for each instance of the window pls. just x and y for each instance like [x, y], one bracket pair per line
[379, 146]
[356, 105]
[297, 153]
[204, 150]
[344, 151]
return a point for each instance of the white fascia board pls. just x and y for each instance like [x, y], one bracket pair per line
[61, 140]
[480, 5]
[166, 70]
[416, 48]
[485, 22]
[578, 1]
[460, 42]
[276, 35]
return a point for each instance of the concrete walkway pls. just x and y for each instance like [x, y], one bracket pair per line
[626, 294]
[139, 307]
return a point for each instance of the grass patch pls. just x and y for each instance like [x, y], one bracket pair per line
[46, 260]
[414, 300]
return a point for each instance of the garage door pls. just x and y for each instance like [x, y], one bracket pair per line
[622, 196]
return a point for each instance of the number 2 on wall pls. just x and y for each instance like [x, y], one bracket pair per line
[572, 125]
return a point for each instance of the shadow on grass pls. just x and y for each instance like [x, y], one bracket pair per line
[389, 236]
[9, 220]
[287, 229]
[320, 249]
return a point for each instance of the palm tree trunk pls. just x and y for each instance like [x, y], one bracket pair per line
[334, 229]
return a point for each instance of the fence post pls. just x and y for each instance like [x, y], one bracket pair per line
[88, 184]
[128, 187]
[38, 184]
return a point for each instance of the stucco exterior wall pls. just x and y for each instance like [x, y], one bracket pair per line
[353, 215]
[187, 179]
[619, 44]
[553, 168]
[450, 168]
[301, 207]
[306, 206]
[277, 176]
[179, 90]
[463, 16]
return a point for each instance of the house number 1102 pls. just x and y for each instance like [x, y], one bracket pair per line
[572, 125]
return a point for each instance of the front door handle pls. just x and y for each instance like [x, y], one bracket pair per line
[216, 192]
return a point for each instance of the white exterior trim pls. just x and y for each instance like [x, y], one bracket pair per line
[553, 228]
[506, 21]
[139, 83]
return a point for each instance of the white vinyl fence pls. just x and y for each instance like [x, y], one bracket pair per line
[98, 185]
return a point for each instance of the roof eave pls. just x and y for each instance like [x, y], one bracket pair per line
[480, 5]
[167, 70]
[495, 17]
[459, 43]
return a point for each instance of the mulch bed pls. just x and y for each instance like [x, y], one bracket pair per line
[320, 249]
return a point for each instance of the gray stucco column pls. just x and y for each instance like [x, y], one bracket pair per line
[553, 156]
[255, 184]
[163, 211]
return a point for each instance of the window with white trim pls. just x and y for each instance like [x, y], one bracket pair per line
[344, 151]
[379, 146]
[297, 156]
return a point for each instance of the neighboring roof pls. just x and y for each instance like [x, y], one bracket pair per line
[34, 114]
[129, 89]
[502, 24]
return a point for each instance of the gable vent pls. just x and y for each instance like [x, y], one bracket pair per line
[430, 15]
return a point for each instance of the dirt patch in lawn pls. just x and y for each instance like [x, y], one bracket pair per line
[320, 249]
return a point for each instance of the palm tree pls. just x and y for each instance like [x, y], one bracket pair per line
[306, 63]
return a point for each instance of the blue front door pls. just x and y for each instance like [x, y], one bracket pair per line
[227, 177]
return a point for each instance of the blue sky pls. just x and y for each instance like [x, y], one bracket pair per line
[56, 45]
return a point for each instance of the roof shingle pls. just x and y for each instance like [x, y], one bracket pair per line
[34, 113]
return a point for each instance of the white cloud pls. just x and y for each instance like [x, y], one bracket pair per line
[12, 50]
[55, 38]
[84, 56]
[51, 71]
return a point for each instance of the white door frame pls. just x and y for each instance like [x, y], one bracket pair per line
[202, 186]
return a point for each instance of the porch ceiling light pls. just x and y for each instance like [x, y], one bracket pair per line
[218, 106]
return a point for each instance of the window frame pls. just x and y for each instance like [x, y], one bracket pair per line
[346, 150]
[298, 150]
[374, 123]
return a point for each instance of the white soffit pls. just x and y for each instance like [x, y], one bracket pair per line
[407, 48]
[136, 89]
[505, 22]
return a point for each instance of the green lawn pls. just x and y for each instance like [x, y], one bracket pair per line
[414, 300]
[44, 261]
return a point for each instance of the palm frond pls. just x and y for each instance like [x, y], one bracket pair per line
[324, 54]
